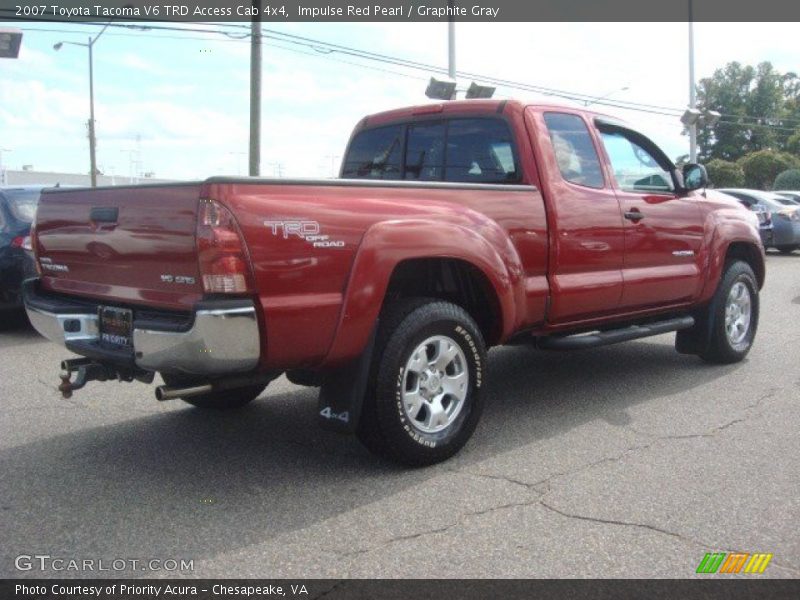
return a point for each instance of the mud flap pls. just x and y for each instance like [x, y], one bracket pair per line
[341, 394]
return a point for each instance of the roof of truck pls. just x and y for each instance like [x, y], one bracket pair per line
[449, 107]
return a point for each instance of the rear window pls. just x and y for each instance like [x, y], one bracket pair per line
[478, 150]
[375, 154]
[425, 152]
[22, 204]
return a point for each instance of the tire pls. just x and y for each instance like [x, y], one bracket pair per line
[224, 400]
[729, 328]
[423, 402]
[786, 249]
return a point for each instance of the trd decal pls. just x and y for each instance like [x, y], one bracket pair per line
[310, 231]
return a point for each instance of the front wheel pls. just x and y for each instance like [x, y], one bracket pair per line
[734, 315]
[424, 401]
[222, 400]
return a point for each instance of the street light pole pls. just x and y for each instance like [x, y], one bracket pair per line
[692, 90]
[92, 138]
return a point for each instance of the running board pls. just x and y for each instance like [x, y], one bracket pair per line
[614, 336]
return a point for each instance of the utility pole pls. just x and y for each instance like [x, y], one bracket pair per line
[692, 90]
[255, 91]
[451, 46]
[2, 168]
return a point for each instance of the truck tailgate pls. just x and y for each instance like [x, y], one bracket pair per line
[127, 245]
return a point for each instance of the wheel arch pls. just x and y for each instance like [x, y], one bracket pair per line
[399, 258]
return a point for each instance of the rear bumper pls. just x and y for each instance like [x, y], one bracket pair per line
[219, 338]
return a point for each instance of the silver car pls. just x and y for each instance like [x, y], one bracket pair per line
[785, 216]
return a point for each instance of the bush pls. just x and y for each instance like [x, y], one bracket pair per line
[723, 173]
[762, 167]
[788, 180]
[793, 144]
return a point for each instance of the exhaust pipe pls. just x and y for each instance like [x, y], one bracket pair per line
[165, 392]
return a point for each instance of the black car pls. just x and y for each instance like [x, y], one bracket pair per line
[17, 210]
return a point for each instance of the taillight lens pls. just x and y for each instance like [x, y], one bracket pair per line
[221, 251]
[21, 241]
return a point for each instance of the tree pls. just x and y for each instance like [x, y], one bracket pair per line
[723, 173]
[760, 110]
[762, 167]
[787, 180]
[793, 144]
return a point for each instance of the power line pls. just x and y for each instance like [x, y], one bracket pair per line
[324, 49]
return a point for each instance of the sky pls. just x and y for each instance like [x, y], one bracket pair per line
[176, 104]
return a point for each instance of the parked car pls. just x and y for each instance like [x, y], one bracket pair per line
[794, 196]
[459, 226]
[765, 227]
[785, 217]
[17, 210]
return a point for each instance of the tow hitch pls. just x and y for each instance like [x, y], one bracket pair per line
[88, 370]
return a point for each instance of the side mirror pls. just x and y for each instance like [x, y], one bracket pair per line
[694, 177]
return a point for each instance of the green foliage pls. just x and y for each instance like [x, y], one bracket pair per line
[723, 173]
[762, 167]
[787, 180]
[793, 144]
[760, 110]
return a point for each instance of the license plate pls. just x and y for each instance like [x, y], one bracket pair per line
[116, 325]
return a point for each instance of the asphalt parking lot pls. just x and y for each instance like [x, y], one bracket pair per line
[627, 461]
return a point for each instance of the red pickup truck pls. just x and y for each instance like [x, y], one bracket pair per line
[454, 227]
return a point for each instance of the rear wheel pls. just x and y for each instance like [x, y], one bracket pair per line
[786, 249]
[222, 400]
[423, 403]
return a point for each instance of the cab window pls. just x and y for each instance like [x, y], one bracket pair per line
[575, 153]
[480, 151]
[375, 154]
[636, 168]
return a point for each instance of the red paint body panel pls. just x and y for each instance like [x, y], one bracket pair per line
[309, 295]
[556, 256]
[153, 235]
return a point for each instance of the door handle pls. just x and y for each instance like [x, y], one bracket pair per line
[634, 215]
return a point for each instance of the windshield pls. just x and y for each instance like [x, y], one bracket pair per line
[22, 204]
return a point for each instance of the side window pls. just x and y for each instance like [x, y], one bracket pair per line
[425, 152]
[576, 155]
[375, 154]
[480, 151]
[635, 168]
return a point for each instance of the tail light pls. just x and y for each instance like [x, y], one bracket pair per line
[22, 241]
[221, 251]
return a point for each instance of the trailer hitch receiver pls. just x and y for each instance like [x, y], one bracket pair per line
[87, 370]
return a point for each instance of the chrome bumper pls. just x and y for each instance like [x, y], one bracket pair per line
[220, 341]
